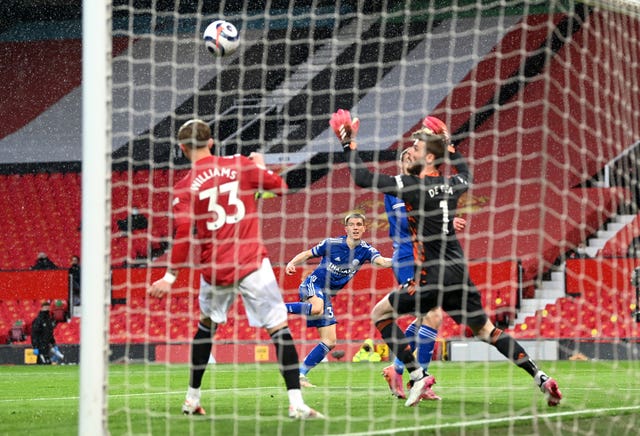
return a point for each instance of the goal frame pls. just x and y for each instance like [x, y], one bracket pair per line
[96, 161]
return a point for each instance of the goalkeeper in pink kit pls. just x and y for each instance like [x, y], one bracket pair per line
[442, 276]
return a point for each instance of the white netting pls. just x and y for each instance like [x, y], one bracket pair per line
[541, 97]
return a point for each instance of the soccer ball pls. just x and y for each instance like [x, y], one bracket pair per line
[221, 38]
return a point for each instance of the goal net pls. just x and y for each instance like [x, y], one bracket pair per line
[540, 97]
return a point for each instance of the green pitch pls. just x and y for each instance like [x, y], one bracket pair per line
[478, 398]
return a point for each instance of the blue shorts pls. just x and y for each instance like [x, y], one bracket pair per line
[309, 289]
[404, 269]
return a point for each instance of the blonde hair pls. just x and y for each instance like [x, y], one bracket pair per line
[354, 215]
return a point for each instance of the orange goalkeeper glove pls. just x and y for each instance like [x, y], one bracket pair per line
[344, 127]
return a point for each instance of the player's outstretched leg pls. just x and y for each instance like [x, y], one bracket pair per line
[511, 349]
[314, 357]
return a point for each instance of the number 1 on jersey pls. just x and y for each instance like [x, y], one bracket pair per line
[445, 216]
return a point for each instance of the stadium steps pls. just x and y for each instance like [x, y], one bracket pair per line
[529, 306]
[627, 229]
[554, 288]
[603, 313]
[548, 292]
[602, 237]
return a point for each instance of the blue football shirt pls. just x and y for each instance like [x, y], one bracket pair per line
[339, 262]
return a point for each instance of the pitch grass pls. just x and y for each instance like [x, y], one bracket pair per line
[601, 398]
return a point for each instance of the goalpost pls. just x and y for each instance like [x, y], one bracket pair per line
[96, 211]
[542, 99]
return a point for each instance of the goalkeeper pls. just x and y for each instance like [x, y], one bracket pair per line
[443, 277]
[425, 328]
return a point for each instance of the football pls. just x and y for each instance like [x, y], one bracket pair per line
[221, 38]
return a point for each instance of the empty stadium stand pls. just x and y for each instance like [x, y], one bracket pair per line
[534, 167]
[149, 192]
[603, 305]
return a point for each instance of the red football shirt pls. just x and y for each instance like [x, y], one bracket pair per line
[217, 197]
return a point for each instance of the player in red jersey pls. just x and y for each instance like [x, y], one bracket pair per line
[217, 198]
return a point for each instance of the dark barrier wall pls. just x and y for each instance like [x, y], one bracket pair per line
[15, 354]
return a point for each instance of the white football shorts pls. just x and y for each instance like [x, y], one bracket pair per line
[261, 296]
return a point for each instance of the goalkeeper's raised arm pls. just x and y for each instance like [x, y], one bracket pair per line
[438, 146]
[346, 130]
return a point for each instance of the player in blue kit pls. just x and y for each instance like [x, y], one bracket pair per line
[342, 257]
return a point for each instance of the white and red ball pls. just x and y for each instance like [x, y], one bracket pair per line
[221, 38]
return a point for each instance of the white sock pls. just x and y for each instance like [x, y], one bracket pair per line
[295, 397]
[417, 374]
[193, 394]
[540, 378]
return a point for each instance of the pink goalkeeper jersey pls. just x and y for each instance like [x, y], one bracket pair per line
[218, 197]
